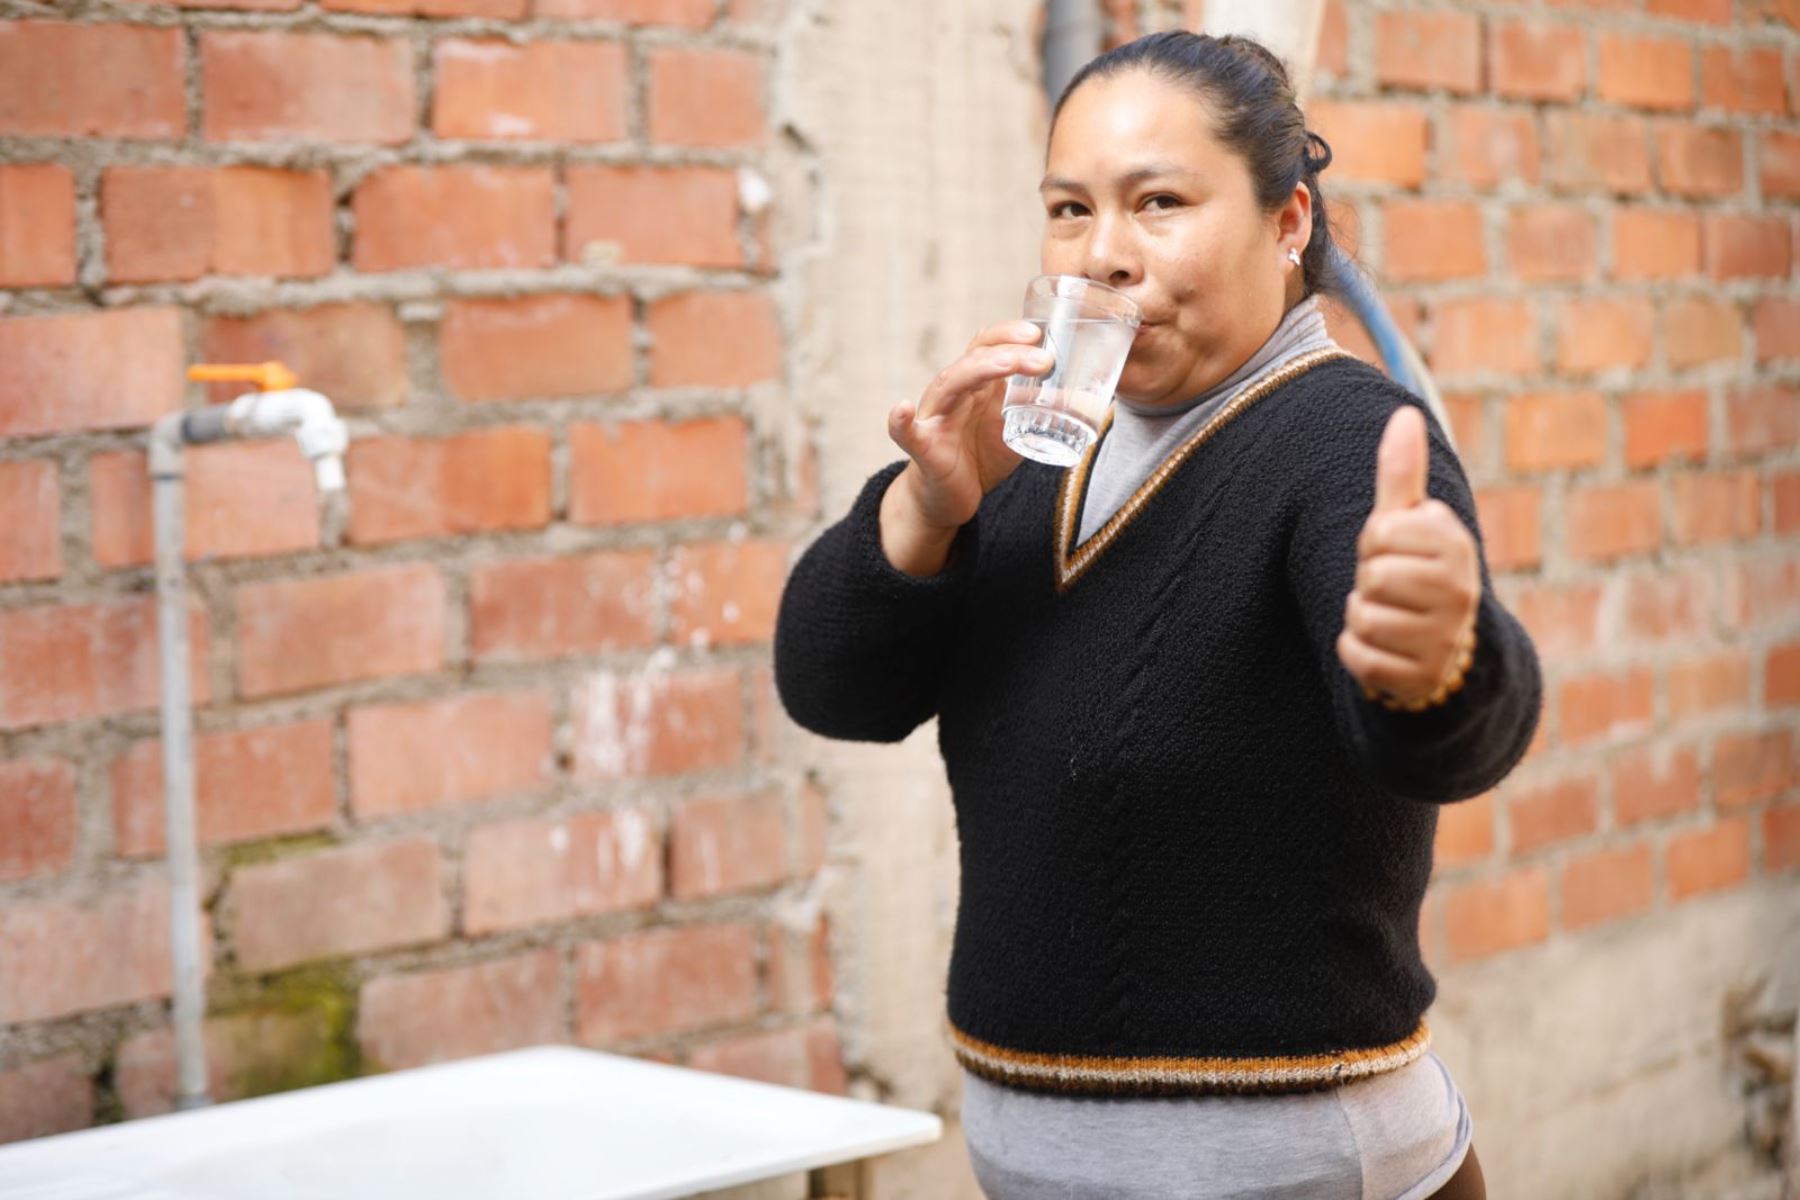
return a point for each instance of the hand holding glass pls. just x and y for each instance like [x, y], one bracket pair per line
[1089, 327]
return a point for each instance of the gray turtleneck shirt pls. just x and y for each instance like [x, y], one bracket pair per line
[1141, 436]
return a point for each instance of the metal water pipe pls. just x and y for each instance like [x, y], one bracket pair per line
[278, 407]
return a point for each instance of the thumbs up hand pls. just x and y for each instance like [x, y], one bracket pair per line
[1411, 615]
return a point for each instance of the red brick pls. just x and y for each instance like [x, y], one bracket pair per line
[1537, 60]
[807, 1056]
[1765, 591]
[248, 784]
[1476, 335]
[1546, 431]
[1606, 705]
[243, 499]
[300, 634]
[1665, 426]
[704, 97]
[665, 981]
[430, 1016]
[263, 84]
[1488, 146]
[548, 870]
[1762, 420]
[1428, 50]
[637, 214]
[1605, 332]
[726, 593]
[37, 810]
[78, 661]
[1667, 604]
[1333, 49]
[482, 745]
[1550, 813]
[1742, 79]
[245, 5]
[1747, 247]
[1777, 326]
[545, 91]
[800, 974]
[1562, 619]
[1373, 143]
[1614, 520]
[714, 339]
[1709, 684]
[1784, 487]
[504, 10]
[1720, 506]
[1709, 860]
[52, 1095]
[1646, 72]
[1654, 781]
[1433, 240]
[37, 225]
[31, 506]
[95, 370]
[1483, 919]
[66, 957]
[1465, 833]
[1597, 153]
[724, 844]
[1468, 424]
[474, 482]
[1655, 244]
[354, 353]
[1780, 164]
[129, 84]
[1781, 838]
[1715, 12]
[1753, 767]
[686, 14]
[1700, 161]
[1781, 676]
[555, 345]
[1607, 885]
[547, 608]
[185, 222]
[658, 723]
[1700, 330]
[1552, 244]
[455, 216]
[1512, 526]
[657, 471]
[351, 900]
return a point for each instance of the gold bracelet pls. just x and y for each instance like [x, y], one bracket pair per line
[1459, 670]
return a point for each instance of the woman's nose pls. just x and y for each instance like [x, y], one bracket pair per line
[1110, 257]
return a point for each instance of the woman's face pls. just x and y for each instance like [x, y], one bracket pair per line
[1140, 195]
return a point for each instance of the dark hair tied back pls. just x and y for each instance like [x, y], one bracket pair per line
[1251, 99]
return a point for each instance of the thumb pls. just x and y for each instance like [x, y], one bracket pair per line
[1402, 461]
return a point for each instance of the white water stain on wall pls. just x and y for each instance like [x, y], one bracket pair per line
[615, 715]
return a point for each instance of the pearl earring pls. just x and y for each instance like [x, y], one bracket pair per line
[1293, 256]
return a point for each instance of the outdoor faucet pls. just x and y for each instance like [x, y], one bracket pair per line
[276, 407]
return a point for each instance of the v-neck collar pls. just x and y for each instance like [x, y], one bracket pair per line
[1073, 561]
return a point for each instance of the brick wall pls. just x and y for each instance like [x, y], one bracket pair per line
[486, 760]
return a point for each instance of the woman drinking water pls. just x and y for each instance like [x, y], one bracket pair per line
[1199, 695]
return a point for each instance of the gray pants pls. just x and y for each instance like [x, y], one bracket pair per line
[1399, 1136]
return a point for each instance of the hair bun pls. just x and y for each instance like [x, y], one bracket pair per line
[1318, 153]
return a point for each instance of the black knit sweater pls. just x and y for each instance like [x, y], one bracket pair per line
[1192, 852]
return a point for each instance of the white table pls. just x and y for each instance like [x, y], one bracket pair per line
[548, 1123]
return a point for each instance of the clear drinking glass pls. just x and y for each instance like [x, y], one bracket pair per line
[1089, 327]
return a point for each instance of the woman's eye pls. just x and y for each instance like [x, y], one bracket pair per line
[1163, 201]
[1068, 208]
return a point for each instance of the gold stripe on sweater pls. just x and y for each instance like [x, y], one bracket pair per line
[1175, 1075]
[1071, 562]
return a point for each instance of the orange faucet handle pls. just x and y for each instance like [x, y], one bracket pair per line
[267, 376]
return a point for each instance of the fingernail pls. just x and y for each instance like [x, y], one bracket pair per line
[1039, 358]
[1028, 330]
